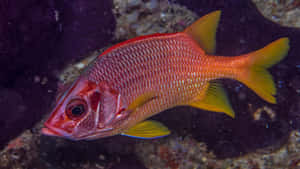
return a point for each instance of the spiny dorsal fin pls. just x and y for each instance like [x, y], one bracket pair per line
[147, 130]
[204, 31]
[214, 99]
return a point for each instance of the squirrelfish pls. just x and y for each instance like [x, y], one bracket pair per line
[141, 77]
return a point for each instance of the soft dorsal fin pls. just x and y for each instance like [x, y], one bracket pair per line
[147, 130]
[204, 31]
[214, 99]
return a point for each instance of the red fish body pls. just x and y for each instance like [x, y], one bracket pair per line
[171, 66]
[141, 77]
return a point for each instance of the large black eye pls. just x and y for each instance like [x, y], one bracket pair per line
[76, 108]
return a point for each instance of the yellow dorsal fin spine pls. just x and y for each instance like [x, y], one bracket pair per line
[204, 31]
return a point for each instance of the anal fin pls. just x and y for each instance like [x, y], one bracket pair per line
[214, 99]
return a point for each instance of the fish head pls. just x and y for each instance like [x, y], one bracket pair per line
[87, 110]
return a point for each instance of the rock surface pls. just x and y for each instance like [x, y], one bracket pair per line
[285, 12]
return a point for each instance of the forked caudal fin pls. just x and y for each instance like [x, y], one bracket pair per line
[256, 76]
[252, 71]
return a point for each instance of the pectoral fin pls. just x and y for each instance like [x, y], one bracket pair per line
[147, 130]
[141, 100]
[214, 99]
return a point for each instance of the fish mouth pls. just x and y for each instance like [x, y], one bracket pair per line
[49, 132]
[100, 134]
[52, 131]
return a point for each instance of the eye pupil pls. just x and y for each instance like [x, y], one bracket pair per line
[78, 110]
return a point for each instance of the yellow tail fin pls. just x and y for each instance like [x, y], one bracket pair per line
[256, 76]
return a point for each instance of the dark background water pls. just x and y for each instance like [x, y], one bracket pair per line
[34, 43]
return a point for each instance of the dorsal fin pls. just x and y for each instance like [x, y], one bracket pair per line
[204, 31]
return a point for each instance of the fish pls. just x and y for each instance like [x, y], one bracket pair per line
[141, 77]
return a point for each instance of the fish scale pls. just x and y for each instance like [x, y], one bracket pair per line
[173, 69]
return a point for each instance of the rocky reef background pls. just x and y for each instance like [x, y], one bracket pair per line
[46, 42]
